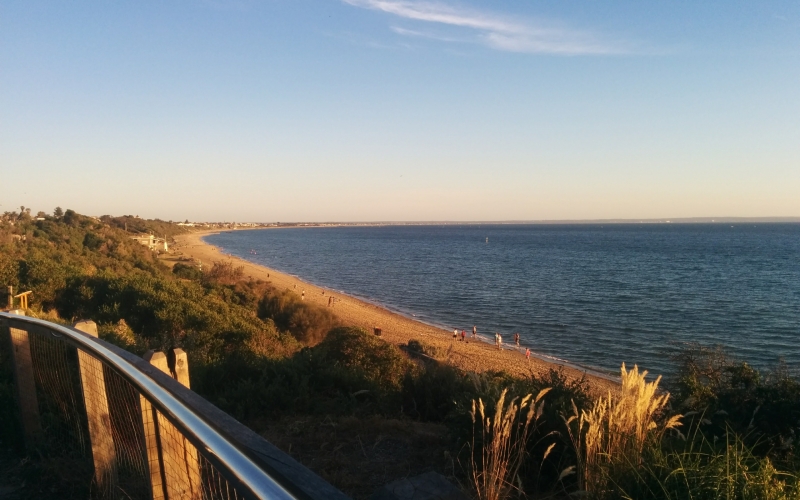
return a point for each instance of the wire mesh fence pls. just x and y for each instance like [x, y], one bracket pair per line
[94, 430]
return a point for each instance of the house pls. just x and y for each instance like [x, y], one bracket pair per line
[151, 242]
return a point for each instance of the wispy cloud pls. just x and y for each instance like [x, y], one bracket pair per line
[496, 31]
[424, 34]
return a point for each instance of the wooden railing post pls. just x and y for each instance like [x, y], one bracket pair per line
[180, 369]
[180, 372]
[95, 399]
[178, 458]
[26, 386]
[149, 419]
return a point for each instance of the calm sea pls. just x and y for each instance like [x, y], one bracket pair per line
[594, 295]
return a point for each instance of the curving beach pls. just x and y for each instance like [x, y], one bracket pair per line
[472, 355]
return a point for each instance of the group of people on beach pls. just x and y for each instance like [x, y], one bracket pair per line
[463, 334]
[331, 299]
[498, 339]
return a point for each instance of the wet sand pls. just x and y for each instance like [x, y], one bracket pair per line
[472, 355]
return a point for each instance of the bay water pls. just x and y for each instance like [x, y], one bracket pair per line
[593, 295]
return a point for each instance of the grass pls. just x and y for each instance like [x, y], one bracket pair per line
[614, 431]
[703, 469]
[499, 443]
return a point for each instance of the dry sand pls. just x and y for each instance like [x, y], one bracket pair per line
[472, 355]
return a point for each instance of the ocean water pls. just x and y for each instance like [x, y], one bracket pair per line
[593, 295]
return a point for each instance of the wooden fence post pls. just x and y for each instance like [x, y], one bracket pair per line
[180, 372]
[26, 386]
[149, 418]
[179, 458]
[95, 399]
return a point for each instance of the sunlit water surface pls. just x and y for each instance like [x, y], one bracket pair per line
[593, 295]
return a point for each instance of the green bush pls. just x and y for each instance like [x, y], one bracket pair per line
[92, 241]
[306, 321]
[764, 407]
[187, 272]
[421, 347]
[349, 372]
[376, 360]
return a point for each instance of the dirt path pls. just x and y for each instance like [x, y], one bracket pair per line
[471, 355]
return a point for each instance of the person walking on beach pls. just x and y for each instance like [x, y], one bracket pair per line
[499, 341]
[516, 339]
[303, 295]
[528, 354]
[463, 335]
[474, 331]
[496, 338]
[455, 333]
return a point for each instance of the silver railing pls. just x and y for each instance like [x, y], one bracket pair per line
[127, 428]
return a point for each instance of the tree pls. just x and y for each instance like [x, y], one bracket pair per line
[58, 212]
[70, 216]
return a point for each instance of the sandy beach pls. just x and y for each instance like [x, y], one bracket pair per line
[473, 355]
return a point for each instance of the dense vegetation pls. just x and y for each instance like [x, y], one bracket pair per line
[291, 371]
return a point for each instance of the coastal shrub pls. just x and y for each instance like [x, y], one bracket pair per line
[187, 272]
[45, 276]
[308, 322]
[92, 241]
[435, 392]
[378, 361]
[349, 372]
[135, 224]
[224, 273]
[167, 313]
[9, 270]
[121, 335]
[425, 348]
[761, 406]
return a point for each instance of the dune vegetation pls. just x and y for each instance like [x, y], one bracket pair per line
[362, 412]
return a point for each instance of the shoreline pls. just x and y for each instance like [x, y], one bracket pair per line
[477, 355]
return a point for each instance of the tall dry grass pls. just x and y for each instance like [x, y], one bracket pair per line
[503, 439]
[615, 430]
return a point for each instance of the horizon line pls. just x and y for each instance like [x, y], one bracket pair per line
[662, 220]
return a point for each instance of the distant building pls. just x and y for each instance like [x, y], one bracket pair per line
[151, 242]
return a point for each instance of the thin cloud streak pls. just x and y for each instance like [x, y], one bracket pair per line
[431, 36]
[494, 31]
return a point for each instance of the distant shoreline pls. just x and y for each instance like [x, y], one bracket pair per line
[225, 226]
[478, 356]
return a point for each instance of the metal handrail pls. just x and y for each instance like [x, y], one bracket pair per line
[257, 482]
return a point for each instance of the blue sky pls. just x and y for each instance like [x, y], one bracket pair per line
[299, 110]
